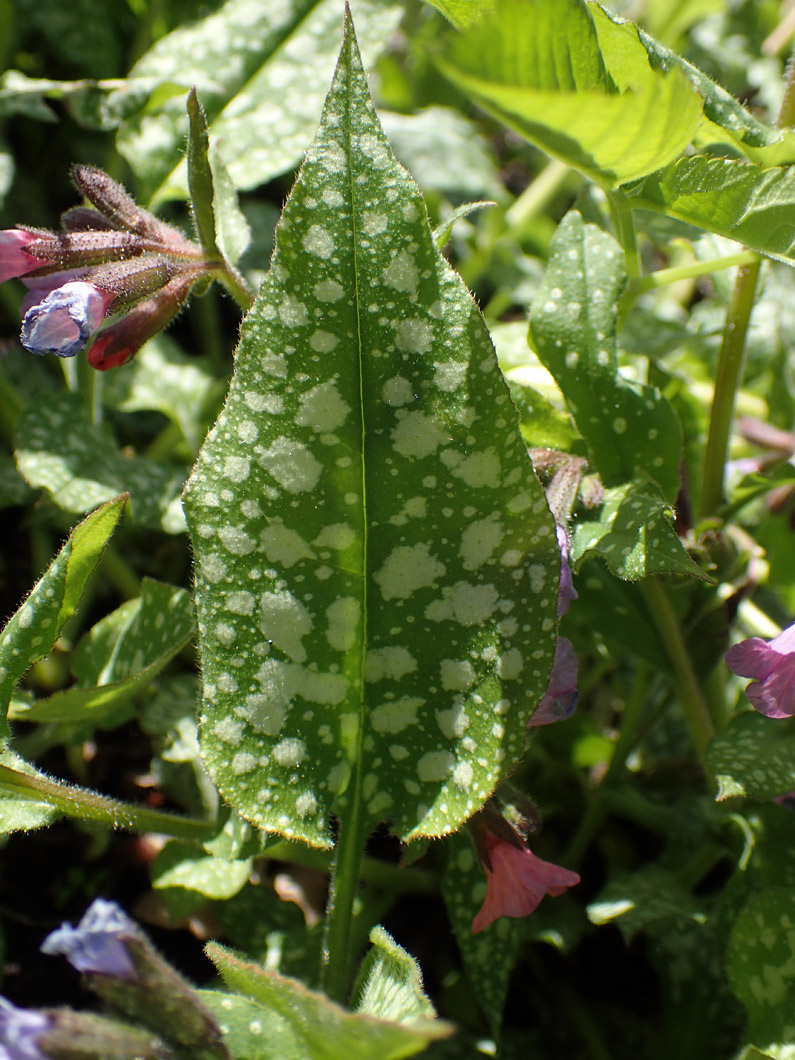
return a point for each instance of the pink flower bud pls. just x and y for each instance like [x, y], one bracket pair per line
[14, 261]
[64, 321]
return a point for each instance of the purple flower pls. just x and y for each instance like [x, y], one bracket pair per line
[97, 944]
[19, 1032]
[772, 666]
[64, 321]
[14, 259]
[566, 590]
[561, 695]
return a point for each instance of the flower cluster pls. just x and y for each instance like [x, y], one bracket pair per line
[112, 261]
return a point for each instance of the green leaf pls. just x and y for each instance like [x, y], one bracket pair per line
[755, 756]
[263, 67]
[489, 956]
[324, 1030]
[390, 983]
[149, 633]
[32, 631]
[162, 377]
[739, 200]
[80, 466]
[376, 566]
[622, 43]
[635, 535]
[188, 867]
[630, 428]
[761, 965]
[19, 814]
[252, 1031]
[463, 13]
[442, 232]
[537, 66]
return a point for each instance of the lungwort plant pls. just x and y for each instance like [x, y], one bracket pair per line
[321, 609]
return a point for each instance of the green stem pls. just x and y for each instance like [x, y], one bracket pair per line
[337, 957]
[536, 197]
[627, 738]
[727, 381]
[662, 277]
[120, 574]
[90, 806]
[236, 286]
[382, 874]
[165, 442]
[695, 708]
[625, 232]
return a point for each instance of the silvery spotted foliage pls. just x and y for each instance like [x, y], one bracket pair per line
[377, 569]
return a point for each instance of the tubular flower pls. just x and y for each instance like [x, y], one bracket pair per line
[14, 258]
[20, 1030]
[771, 664]
[64, 321]
[97, 945]
[110, 258]
[517, 881]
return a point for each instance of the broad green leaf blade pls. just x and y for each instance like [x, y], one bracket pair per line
[162, 377]
[78, 463]
[760, 963]
[755, 756]
[32, 631]
[252, 1031]
[326, 1031]
[624, 46]
[152, 630]
[376, 567]
[635, 535]
[537, 67]
[186, 866]
[263, 66]
[739, 200]
[390, 983]
[463, 13]
[18, 814]
[630, 428]
[489, 957]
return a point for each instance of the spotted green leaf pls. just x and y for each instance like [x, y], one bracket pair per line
[256, 66]
[635, 535]
[490, 955]
[111, 670]
[376, 567]
[537, 66]
[31, 632]
[323, 1030]
[78, 463]
[629, 427]
[251, 1031]
[755, 756]
[761, 967]
[390, 983]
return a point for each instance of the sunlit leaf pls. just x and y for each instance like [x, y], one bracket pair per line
[324, 1030]
[630, 428]
[31, 632]
[376, 565]
[263, 66]
[390, 983]
[537, 66]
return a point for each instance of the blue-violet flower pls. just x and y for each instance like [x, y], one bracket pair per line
[64, 321]
[772, 666]
[19, 1032]
[96, 945]
[560, 698]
